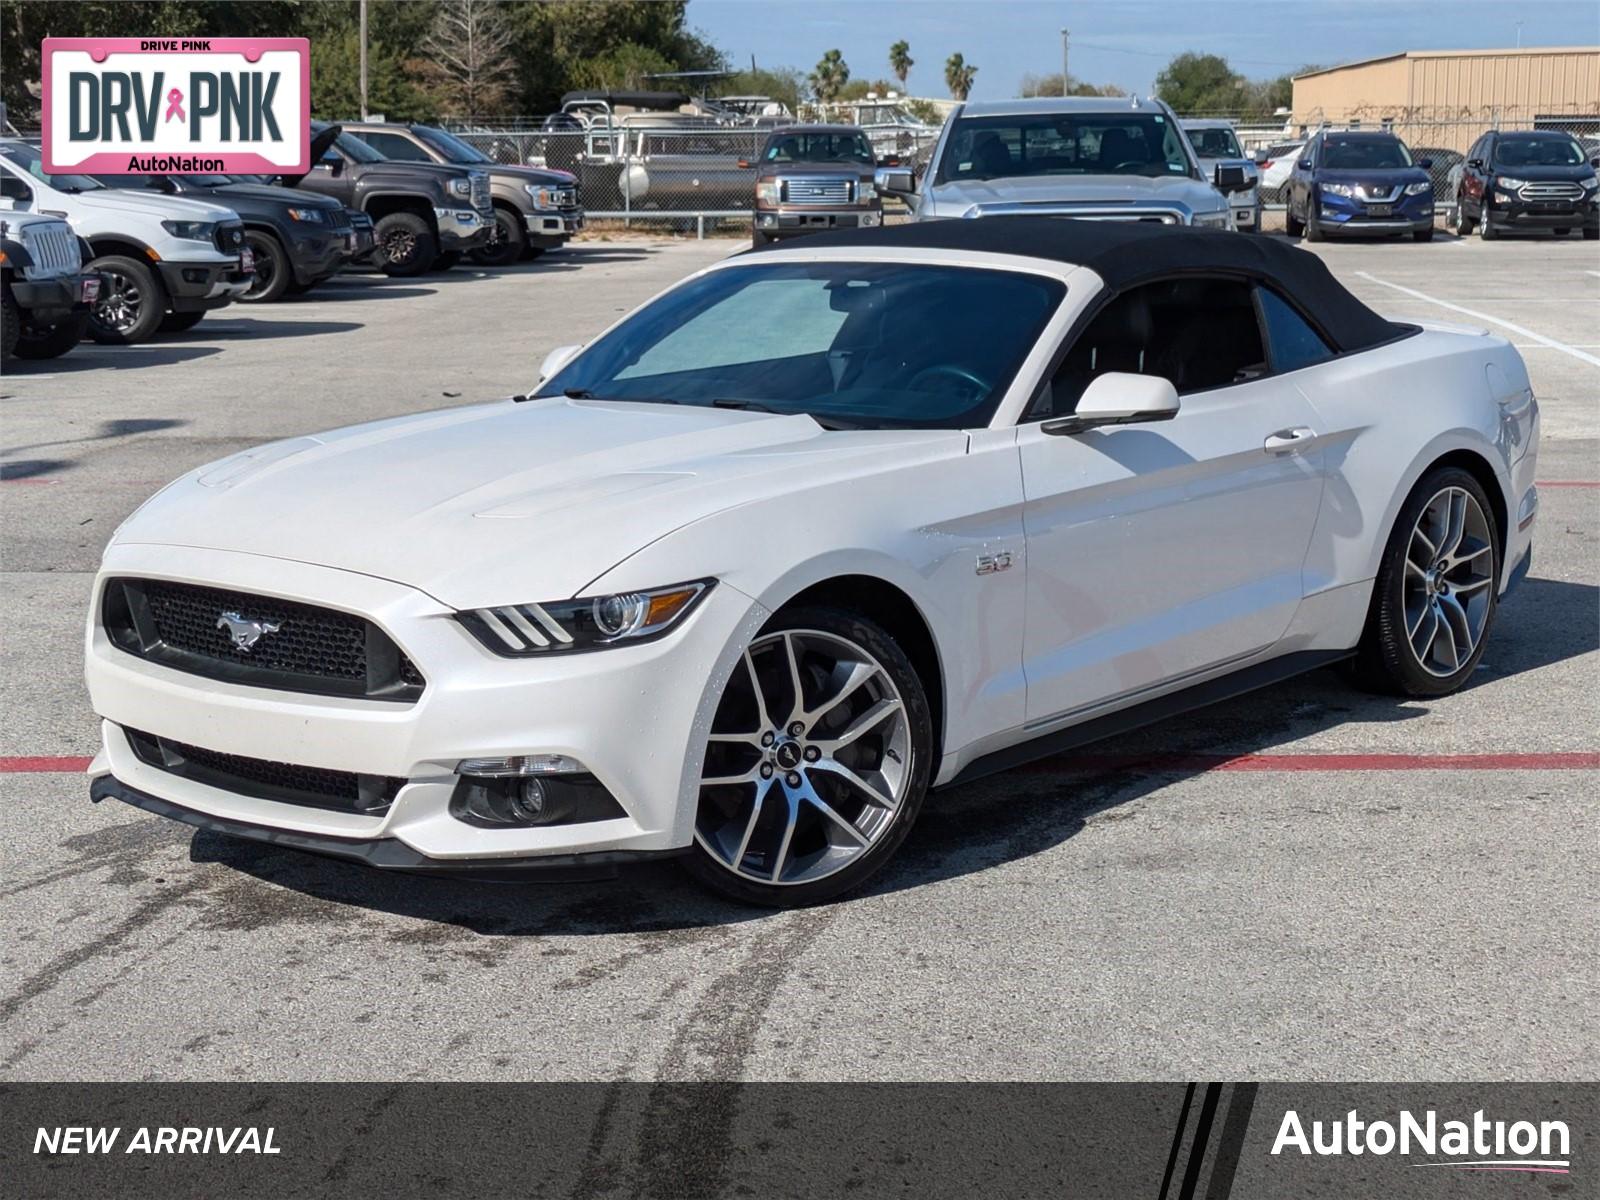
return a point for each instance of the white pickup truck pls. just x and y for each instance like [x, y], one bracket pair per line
[163, 262]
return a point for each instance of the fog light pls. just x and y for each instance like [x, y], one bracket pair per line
[194, 275]
[1331, 214]
[528, 802]
[868, 220]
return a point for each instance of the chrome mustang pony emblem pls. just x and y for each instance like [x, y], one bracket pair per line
[245, 634]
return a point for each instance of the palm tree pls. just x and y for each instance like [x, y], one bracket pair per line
[831, 75]
[901, 62]
[958, 76]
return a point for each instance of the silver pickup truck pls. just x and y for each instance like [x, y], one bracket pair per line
[1104, 158]
[1216, 144]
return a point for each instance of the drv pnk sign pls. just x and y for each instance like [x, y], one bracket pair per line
[160, 106]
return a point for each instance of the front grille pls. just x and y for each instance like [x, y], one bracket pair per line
[286, 645]
[52, 247]
[1377, 193]
[817, 191]
[480, 192]
[339, 220]
[230, 237]
[1556, 190]
[313, 787]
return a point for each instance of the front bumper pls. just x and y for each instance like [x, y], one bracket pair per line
[46, 301]
[316, 254]
[462, 228]
[1247, 216]
[629, 715]
[1544, 214]
[782, 222]
[559, 224]
[1343, 214]
[200, 286]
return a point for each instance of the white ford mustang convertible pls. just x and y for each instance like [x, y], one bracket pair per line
[816, 531]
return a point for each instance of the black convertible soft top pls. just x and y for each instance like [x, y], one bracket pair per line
[1128, 252]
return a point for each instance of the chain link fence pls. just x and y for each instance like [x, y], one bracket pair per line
[701, 175]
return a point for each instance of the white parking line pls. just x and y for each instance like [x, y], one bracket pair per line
[1481, 316]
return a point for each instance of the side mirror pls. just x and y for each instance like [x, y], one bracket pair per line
[1119, 398]
[1303, 164]
[1425, 163]
[1230, 177]
[555, 360]
[1475, 163]
[895, 181]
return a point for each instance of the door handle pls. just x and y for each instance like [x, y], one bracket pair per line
[1286, 441]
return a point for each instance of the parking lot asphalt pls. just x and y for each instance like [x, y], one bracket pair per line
[1306, 883]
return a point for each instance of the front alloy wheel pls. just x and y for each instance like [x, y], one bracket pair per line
[816, 765]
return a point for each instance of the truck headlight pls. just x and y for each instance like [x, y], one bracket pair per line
[767, 192]
[543, 197]
[868, 193]
[311, 216]
[1218, 220]
[461, 187]
[1507, 184]
[1590, 183]
[191, 231]
[1416, 189]
[587, 623]
[1347, 190]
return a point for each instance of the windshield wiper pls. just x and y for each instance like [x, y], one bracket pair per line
[586, 394]
[747, 405]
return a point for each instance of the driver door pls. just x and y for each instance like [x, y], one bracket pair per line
[1158, 553]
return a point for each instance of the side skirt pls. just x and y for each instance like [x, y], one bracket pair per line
[1224, 687]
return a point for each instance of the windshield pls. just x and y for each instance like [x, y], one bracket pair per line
[856, 345]
[832, 147]
[452, 147]
[31, 161]
[1215, 143]
[1547, 150]
[1063, 144]
[1365, 154]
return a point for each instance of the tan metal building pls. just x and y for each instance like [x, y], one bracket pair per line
[1445, 98]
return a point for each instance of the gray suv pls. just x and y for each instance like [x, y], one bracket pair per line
[1097, 157]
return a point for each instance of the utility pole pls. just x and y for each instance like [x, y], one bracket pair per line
[1063, 60]
[363, 59]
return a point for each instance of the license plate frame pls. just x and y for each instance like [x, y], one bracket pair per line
[247, 261]
[1380, 210]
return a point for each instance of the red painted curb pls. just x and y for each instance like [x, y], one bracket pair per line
[40, 765]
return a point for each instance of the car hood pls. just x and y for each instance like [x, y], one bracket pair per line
[1392, 177]
[1567, 174]
[268, 191]
[148, 204]
[544, 177]
[506, 502]
[836, 169]
[1077, 189]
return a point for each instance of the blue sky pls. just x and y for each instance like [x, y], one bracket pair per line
[1124, 42]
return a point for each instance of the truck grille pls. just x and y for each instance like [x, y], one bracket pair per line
[1556, 190]
[339, 220]
[298, 647]
[817, 191]
[230, 237]
[52, 247]
[313, 787]
[480, 192]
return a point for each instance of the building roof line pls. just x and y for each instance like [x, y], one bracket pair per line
[1474, 53]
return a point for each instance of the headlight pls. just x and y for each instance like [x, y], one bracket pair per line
[869, 192]
[1212, 220]
[588, 623]
[1590, 183]
[544, 197]
[196, 231]
[1416, 189]
[1346, 190]
[767, 191]
[1509, 184]
[461, 187]
[312, 216]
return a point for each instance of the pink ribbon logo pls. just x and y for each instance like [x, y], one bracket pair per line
[175, 105]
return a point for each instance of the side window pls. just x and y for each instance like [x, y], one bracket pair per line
[14, 189]
[1292, 343]
[396, 146]
[1199, 333]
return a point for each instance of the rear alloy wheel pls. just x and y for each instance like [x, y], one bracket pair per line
[273, 275]
[404, 245]
[507, 240]
[131, 302]
[1435, 595]
[817, 763]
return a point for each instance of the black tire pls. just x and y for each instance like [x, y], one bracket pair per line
[1591, 233]
[896, 668]
[507, 240]
[10, 327]
[273, 272]
[180, 322]
[530, 253]
[762, 238]
[1487, 230]
[405, 245]
[131, 305]
[1422, 235]
[443, 262]
[1386, 660]
[1464, 224]
[1561, 232]
[54, 340]
[1313, 228]
[1292, 226]
[295, 288]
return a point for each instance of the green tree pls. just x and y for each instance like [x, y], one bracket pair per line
[1196, 83]
[336, 81]
[958, 74]
[901, 62]
[1050, 85]
[627, 67]
[829, 77]
[857, 89]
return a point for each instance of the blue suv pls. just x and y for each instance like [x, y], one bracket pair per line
[1363, 183]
